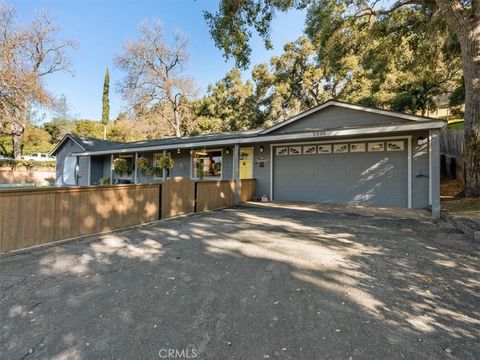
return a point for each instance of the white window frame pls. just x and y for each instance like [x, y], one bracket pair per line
[205, 178]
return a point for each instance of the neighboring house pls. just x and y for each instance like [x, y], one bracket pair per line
[336, 152]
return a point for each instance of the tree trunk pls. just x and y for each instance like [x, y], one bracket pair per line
[471, 70]
[17, 147]
[466, 25]
[176, 115]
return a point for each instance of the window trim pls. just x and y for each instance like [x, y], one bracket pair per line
[209, 178]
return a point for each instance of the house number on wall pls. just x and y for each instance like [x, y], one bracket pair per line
[319, 133]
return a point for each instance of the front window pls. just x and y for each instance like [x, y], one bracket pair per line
[207, 164]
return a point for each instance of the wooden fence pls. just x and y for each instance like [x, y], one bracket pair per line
[452, 144]
[178, 197]
[214, 195]
[23, 176]
[38, 216]
[31, 217]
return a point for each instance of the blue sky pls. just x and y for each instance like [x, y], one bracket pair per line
[100, 27]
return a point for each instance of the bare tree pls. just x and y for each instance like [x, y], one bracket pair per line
[28, 53]
[154, 79]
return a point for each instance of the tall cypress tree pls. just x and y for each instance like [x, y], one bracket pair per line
[105, 103]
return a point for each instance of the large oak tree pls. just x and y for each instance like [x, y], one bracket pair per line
[233, 24]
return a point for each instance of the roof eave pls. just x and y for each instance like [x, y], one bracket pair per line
[67, 136]
[347, 106]
[280, 137]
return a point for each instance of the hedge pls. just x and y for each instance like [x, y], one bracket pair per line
[27, 164]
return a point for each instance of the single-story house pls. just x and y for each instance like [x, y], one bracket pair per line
[336, 152]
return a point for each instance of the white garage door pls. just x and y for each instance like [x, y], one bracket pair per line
[369, 173]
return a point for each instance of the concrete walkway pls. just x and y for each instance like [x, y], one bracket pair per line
[279, 281]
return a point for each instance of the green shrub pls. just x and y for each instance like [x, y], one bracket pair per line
[104, 181]
[27, 164]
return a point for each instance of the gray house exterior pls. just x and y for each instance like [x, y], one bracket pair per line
[336, 152]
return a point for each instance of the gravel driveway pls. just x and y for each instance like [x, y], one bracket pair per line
[277, 281]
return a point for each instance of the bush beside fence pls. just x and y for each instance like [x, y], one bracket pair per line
[32, 217]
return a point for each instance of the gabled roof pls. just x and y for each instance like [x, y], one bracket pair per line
[411, 123]
[346, 105]
[86, 143]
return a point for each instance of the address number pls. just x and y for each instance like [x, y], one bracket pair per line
[319, 133]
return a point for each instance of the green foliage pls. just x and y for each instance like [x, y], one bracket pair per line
[58, 128]
[228, 106]
[88, 128]
[143, 164]
[200, 170]
[122, 167]
[401, 60]
[105, 99]
[104, 181]
[27, 164]
[166, 163]
[36, 140]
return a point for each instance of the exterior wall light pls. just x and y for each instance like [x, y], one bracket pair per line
[227, 151]
[178, 151]
[262, 149]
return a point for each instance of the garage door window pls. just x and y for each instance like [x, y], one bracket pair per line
[395, 146]
[281, 151]
[324, 149]
[357, 148]
[295, 150]
[375, 146]
[310, 149]
[340, 148]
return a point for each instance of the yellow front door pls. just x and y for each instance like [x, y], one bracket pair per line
[246, 163]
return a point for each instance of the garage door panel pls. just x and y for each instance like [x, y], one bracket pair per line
[369, 178]
[289, 189]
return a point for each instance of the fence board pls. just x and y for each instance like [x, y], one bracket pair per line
[36, 216]
[178, 197]
[214, 194]
[247, 189]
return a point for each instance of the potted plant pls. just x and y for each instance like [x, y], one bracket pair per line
[143, 164]
[166, 163]
[122, 167]
[200, 170]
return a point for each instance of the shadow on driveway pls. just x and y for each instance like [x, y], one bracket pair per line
[270, 281]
